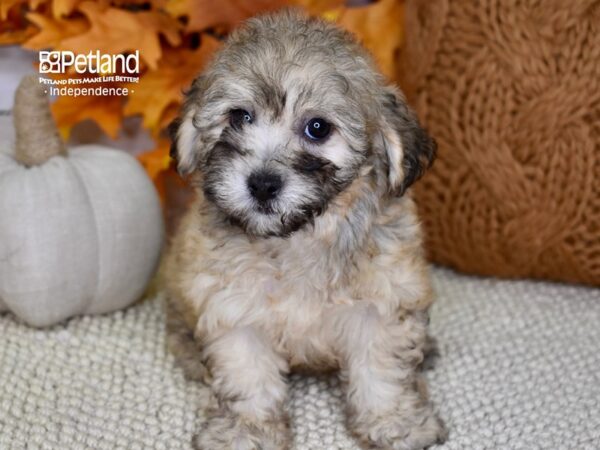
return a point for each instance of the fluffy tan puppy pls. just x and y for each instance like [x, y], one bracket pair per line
[302, 248]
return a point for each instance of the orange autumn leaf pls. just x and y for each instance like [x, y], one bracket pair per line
[14, 29]
[168, 115]
[177, 8]
[157, 163]
[158, 89]
[116, 31]
[157, 160]
[163, 24]
[380, 28]
[203, 14]
[319, 7]
[154, 4]
[7, 5]
[11, 37]
[53, 31]
[63, 7]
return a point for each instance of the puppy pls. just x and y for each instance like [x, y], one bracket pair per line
[302, 248]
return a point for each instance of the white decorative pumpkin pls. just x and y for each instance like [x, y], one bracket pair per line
[80, 232]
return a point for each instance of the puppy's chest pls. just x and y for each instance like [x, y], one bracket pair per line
[281, 284]
[303, 276]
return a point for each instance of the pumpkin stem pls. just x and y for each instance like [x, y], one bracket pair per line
[37, 138]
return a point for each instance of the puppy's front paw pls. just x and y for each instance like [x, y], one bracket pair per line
[401, 430]
[231, 432]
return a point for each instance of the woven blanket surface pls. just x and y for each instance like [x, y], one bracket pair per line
[519, 368]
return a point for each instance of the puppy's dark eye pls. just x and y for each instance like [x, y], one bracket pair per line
[317, 129]
[239, 117]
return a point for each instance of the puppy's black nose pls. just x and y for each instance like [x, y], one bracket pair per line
[264, 185]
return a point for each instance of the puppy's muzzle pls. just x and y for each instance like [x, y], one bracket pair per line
[264, 186]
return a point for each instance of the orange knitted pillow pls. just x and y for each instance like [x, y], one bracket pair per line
[511, 92]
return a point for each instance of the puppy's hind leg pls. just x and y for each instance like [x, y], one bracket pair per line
[387, 409]
[247, 377]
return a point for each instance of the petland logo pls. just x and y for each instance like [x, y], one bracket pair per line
[92, 62]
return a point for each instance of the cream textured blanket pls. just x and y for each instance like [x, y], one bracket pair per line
[519, 369]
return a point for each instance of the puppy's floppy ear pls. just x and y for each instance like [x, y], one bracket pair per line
[183, 149]
[407, 147]
[183, 132]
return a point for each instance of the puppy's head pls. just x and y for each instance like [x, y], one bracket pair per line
[285, 118]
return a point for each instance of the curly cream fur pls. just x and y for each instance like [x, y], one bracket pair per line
[347, 290]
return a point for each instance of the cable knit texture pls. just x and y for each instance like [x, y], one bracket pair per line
[518, 369]
[510, 89]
